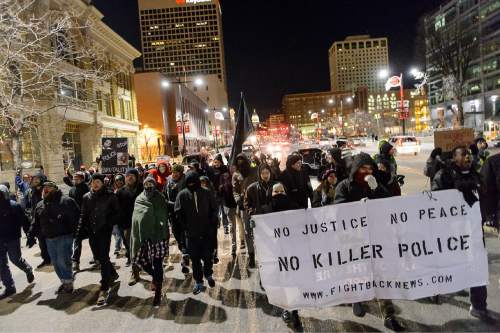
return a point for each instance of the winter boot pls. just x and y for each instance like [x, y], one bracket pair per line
[251, 260]
[157, 299]
[134, 277]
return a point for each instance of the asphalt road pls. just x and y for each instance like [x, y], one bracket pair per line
[236, 304]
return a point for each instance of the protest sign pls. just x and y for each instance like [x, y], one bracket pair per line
[397, 248]
[114, 155]
[449, 139]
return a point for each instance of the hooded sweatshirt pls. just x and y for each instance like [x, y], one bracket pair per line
[355, 188]
[196, 208]
[12, 217]
[297, 183]
[258, 196]
[161, 178]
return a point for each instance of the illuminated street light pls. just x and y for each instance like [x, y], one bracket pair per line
[323, 111]
[330, 101]
[207, 110]
[165, 84]
[198, 82]
[414, 71]
[349, 99]
[224, 109]
[383, 73]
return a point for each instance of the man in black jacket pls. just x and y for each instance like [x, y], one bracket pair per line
[100, 209]
[215, 174]
[34, 197]
[258, 196]
[296, 181]
[56, 217]
[362, 184]
[461, 174]
[175, 184]
[197, 212]
[126, 196]
[77, 191]
[12, 219]
[490, 201]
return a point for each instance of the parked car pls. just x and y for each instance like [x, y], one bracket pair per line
[311, 160]
[405, 144]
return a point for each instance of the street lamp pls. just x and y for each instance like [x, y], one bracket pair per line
[222, 118]
[494, 103]
[383, 73]
[166, 84]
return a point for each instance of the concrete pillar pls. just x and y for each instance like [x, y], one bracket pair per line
[51, 129]
[90, 137]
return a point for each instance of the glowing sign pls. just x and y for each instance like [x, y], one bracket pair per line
[191, 2]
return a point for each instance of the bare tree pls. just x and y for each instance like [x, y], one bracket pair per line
[42, 50]
[450, 50]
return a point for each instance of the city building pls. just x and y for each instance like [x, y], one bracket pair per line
[327, 111]
[479, 21]
[162, 119]
[356, 61]
[383, 107]
[275, 120]
[82, 113]
[183, 40]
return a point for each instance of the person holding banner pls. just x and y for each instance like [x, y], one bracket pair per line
[325, 192]
[258, 196]
[362, 185]
[100, 210]
[296, 181]
[461, 174]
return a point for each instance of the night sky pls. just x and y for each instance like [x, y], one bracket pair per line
[275, 47]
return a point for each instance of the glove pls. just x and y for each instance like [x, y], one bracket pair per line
[252, 223]
[436, 152]
[364, 200]
[372, 182]
[30, 242]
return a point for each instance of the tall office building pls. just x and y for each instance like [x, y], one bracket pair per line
[183, 40]
[479, 21]
[356, 62]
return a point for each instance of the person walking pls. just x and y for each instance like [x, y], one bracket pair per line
[460, 174]
[175, 184]
[12, 220]
[56, 218]
[149, 234]
[215, 175]
[230, 208]
[23, 185]
[324, 194]
[126, 196]
[258, 196]
[100, 209]
[281, 202]
[362, 185]
[244, 175]
[77, 191]
[197, 212]
[34, 197]
[296, 181]
[490, 200]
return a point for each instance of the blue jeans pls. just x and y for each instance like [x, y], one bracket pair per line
[12, 249]
[60, 250]
[118, 238]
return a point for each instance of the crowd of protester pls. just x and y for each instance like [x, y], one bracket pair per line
[143, 206]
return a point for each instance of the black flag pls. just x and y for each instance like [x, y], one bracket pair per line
[243, 129]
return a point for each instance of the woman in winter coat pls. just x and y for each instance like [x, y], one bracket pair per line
[325, 192]
[160, 174]
[296, 181]
[258, 196]
[149, 240]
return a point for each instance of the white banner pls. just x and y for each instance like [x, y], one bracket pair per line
[406, 247]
